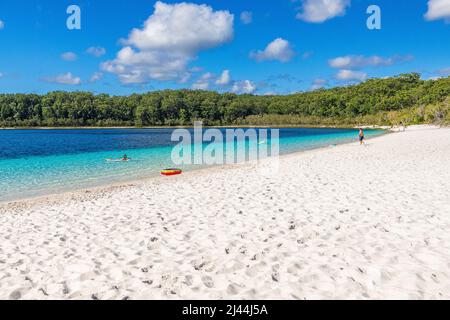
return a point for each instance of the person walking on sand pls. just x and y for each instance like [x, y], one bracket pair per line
[361, 137]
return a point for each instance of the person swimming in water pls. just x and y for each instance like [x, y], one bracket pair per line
[361, 136]
[125, 158]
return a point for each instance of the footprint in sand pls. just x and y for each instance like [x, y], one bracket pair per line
[208, 281]
[232, 289]
[15, 295]
[188, 280]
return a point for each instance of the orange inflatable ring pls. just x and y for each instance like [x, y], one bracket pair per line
[171, 172]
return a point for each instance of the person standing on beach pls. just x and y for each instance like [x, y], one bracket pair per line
[361, 136]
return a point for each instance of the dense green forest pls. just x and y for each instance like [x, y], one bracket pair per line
[405, 98]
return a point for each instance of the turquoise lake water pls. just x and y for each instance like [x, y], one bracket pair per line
[40, 162]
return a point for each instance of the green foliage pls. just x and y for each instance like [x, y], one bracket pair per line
[405, 98]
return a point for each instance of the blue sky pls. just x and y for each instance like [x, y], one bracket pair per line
[246, 46]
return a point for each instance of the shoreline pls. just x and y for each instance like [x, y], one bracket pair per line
[374, 127]
[124, 184]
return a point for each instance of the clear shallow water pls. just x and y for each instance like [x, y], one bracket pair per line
[39, 162]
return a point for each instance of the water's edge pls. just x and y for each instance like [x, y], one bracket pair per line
[124, 183]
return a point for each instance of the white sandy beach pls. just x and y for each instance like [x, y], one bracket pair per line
[348, 222]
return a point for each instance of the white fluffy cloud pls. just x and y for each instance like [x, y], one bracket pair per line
[438, 9]
[224, 82]
[318, 83]
[318, 11]
[170, 39]
[66, 78]
[2, 24]
[356, 62]
[69, 56]
[245, 86]
[96, 76]
[207, 76]
[200, 85]
[96, 51]
[351, 75]
[224, 79]
[203, 82]
[279, 49]
[246, 17]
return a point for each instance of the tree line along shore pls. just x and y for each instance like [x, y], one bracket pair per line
[404, 99]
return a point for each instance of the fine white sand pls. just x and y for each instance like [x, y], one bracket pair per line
[345, 222]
